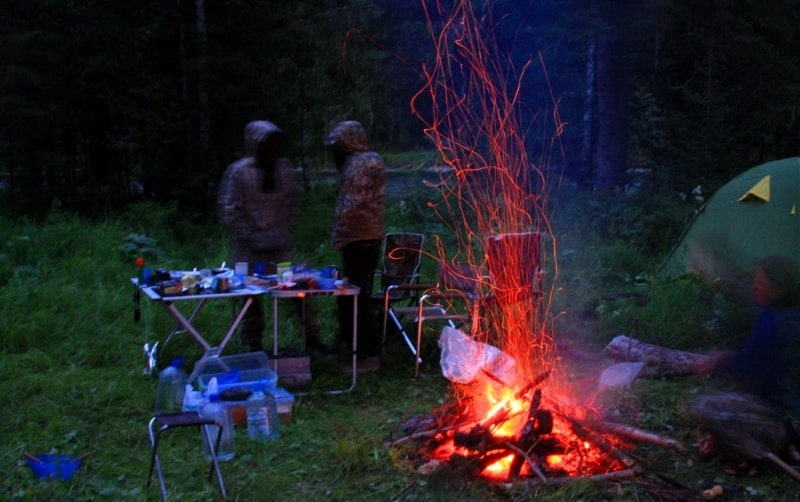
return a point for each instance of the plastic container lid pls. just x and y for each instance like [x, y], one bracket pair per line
[237, 394]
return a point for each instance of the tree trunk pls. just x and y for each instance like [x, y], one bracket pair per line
[202, 83]
[588, 138]
[612, 100]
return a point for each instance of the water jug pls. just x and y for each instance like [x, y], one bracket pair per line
[262, 416]
[171, 386]
[216, 410]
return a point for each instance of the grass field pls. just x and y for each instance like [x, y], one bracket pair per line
[71, 377]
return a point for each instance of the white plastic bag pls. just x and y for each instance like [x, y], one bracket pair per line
[463, 358]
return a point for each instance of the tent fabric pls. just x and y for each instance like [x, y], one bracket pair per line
[748, 218]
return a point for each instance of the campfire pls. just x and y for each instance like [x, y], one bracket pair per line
[509, 426]
[507, 433]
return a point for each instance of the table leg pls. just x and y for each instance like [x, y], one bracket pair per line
[186, 324]
[355, 342]
[303, 322]
[248, 301]
[354, 375]
[275, 331]
[182, 320]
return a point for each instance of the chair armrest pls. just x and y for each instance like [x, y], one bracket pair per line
[408, 287]
[436, 295]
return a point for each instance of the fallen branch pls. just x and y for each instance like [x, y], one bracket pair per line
[788, 469]
[594, 478]
[416, 435]
[636, 434]
[659, 361]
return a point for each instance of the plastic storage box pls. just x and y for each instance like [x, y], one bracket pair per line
[293, 368]
[248, 371]
[285, 401]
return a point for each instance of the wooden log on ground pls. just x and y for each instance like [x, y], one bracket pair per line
[637, 434]
[659, 361]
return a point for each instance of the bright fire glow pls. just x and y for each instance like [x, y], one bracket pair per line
[498, 469]
[494, 203]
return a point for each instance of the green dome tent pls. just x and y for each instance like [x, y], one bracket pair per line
[752, 216]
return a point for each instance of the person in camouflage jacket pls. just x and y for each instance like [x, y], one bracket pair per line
[258, 202]
[358, 231]
[258, 198]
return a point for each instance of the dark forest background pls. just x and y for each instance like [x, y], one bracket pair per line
[108, 101]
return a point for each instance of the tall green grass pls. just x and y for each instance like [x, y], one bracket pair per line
[71, 360]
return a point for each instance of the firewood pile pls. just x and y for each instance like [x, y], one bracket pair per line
[548, 445]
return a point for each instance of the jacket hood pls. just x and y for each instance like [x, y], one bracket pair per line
[347, 137]
[258, 132]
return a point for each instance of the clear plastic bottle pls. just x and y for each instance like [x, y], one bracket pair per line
[216, 410]
[262, 416]
[171, 387]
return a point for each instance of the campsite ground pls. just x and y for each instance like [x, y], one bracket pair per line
[71, 361]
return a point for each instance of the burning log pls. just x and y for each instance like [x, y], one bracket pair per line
[599, 441]
[524, 456]
[541, 444]
[539, 422]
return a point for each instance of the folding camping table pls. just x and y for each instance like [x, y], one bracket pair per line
[302, 294]
[185, 324]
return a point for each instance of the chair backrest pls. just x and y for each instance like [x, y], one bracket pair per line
[459, 277]
[402, 255]
[514, 262]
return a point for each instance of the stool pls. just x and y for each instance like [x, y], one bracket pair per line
[184, 419]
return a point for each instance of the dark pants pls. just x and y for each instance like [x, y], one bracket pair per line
[252, 326]
[359, 260]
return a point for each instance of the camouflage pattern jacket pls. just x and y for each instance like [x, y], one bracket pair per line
[361, 203]
[260, 221]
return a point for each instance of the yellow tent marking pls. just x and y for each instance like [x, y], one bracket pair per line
[758, 191]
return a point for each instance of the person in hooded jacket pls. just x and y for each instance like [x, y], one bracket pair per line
[357, 232]
[258, 201]
[767, 365]
[764, 407]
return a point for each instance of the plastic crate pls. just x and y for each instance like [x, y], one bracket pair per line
[293, 368]
[285, 401]
[249, 371]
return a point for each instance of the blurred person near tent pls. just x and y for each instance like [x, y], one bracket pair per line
[765, 406]
[258, 201]
[358, 230]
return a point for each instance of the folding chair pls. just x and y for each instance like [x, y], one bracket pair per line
[402, 256]
[171, 421]
[457, 286]
[515, 268]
